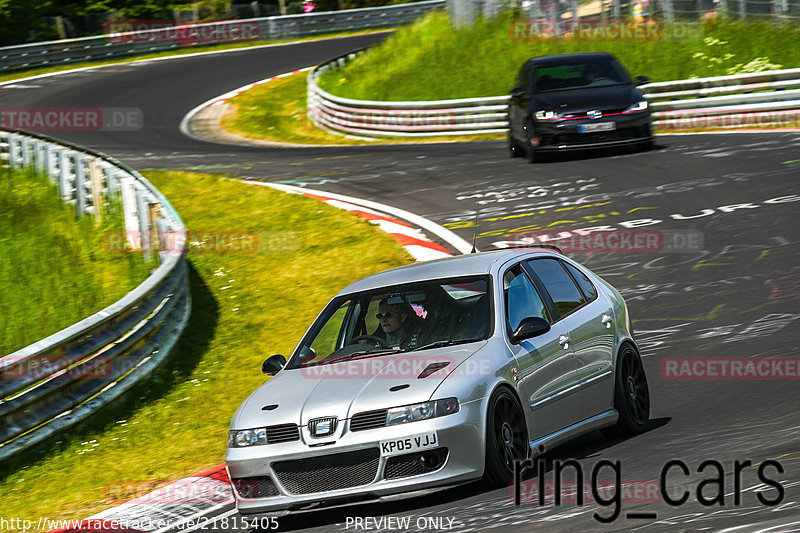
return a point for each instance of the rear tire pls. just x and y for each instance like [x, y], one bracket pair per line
[631, 395]
[506, 438]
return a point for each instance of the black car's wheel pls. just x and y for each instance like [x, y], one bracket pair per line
[506, 438]
[530, 151]
[514, 149]
[631, 395]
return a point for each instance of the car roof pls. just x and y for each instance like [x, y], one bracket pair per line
[448, 267]
[568, 58]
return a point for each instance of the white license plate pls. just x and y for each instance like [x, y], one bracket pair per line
[414, 443]
[600, 126]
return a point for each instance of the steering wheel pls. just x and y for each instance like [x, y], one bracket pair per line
[371, 338]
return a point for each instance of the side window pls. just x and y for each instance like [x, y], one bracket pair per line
[589, 292]
[562, 289]
[522, 300]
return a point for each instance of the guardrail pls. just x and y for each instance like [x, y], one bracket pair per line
[744, 100]
[52, 53]
[467, 116]
[61, 379]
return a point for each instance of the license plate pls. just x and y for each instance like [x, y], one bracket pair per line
[600, 126]
[414, 443]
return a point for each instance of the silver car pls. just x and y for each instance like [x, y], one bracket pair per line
[436, 374]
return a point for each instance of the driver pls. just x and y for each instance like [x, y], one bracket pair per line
[590, 75]
[397, 324]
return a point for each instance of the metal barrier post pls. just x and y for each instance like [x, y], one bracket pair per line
[80, 185]
[64, 174]
[12, 151]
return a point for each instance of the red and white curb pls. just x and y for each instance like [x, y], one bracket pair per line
[182, 505]
[405, 227]
[230, 94]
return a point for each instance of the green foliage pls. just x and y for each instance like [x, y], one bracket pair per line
[438, 62]
[24, 21]
[54, 270]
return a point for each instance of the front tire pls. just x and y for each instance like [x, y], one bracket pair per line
[514, 150]
[530, 151]
[631, 395]
[506, 438]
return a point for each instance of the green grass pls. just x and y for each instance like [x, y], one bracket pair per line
[178, 52]
[439, 63]
[54, 270]
[245, 307]
[277, 111]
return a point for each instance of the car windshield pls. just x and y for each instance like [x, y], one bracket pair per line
[603, 72]
[401, 318]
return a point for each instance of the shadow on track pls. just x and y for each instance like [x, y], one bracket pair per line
[595, 153]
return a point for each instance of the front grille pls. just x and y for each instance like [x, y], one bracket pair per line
[368, 420]
[255, 487]
[328, 472]
[600, 136]
[414, 464]
[282, 433]
[322, 427]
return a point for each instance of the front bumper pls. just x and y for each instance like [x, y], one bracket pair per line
[565, 134]
[262, 484]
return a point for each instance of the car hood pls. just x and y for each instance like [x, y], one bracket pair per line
[579, 101]
[349, 387]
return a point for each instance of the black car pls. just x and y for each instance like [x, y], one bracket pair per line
[576, 101]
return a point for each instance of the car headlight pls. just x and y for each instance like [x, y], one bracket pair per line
[641, 105]
[546, 114]
[421, 411]
[241, 438]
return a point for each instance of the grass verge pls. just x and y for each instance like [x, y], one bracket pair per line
[179, 52]
[54, 270]
[483, 60]
[277, 112]
[246, 306]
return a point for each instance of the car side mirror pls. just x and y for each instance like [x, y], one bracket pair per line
[273, 365]
[518, 92]
[641, 80]
[532, 326]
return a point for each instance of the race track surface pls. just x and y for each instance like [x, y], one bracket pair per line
[739, 295]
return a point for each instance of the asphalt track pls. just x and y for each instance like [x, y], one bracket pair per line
[738, 296]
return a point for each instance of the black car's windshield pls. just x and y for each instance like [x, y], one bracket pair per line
[602, 72]
[401, 318]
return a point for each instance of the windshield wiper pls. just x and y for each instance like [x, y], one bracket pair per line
[353, 355]
[441, 343]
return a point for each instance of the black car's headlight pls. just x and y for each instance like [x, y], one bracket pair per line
[241, 438]
[546, 114]
[421, 411]
[641, 105]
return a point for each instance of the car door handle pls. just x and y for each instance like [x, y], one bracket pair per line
[606, 320]
[563, 340]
